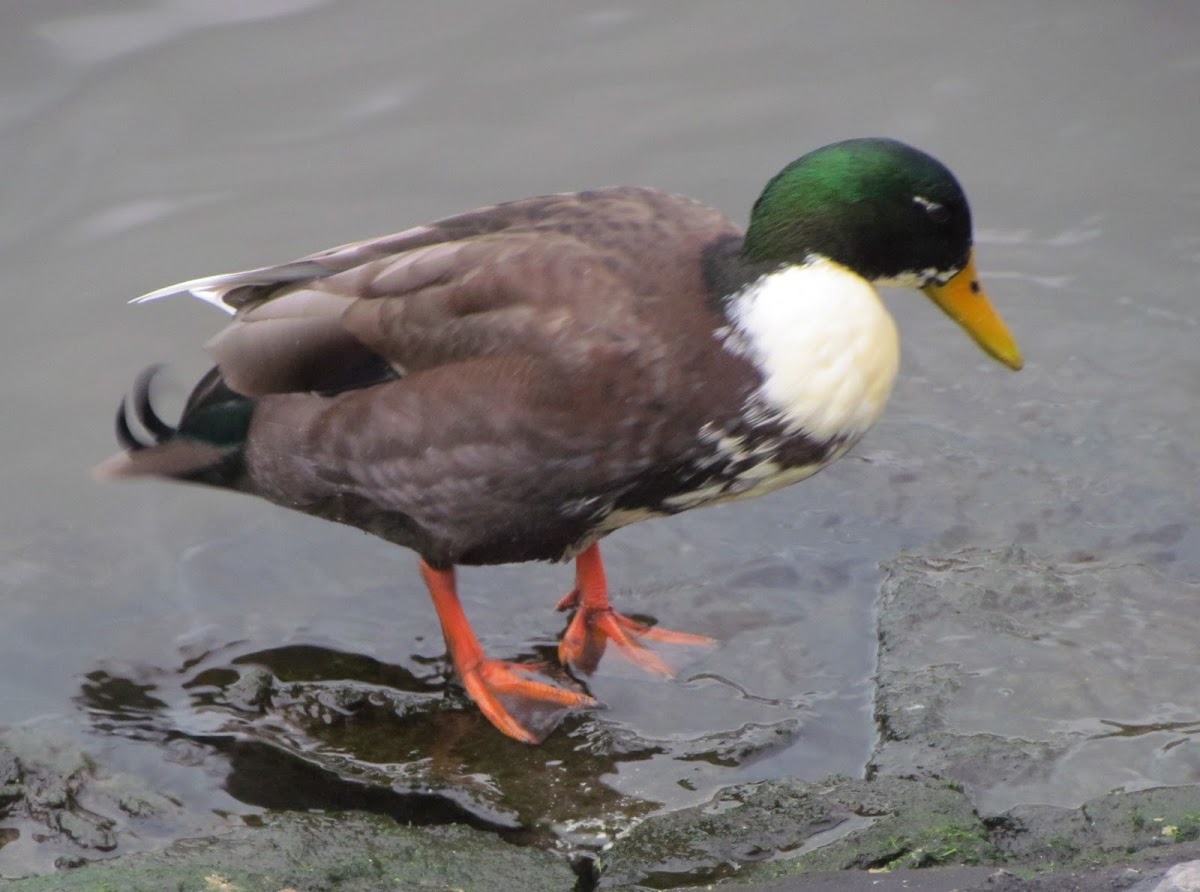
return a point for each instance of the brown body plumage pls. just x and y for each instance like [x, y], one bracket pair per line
[526, 372]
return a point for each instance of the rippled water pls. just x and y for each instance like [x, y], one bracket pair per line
[141, 144]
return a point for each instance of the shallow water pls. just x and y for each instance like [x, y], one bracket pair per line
[143, 144]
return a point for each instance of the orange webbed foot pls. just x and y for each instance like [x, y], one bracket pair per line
[596, 623]
[518, 699]
[515, 701]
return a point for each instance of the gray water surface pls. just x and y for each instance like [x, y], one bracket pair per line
[146, 143]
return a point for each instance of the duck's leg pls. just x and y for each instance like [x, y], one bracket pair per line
[596, 623]
[507, 693]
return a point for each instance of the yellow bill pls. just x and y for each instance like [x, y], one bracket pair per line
[963, 300]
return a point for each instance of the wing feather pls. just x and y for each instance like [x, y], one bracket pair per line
[554, 277]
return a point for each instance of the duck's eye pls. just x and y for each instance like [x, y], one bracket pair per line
[938, 213]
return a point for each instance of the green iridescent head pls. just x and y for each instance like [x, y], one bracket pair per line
[878, 206]
[888, 212]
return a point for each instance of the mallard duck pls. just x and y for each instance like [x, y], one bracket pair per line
[517, 382]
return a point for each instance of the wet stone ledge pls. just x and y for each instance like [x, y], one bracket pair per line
[311, 853]
[761, 835]
[991, 662]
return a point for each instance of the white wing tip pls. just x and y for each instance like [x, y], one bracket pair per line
[214, 289]
[211, 290]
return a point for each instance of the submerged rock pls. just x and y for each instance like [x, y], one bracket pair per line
[1030, 679]
[59, 808]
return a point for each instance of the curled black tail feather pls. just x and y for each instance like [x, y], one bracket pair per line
[144, 413]
[205, 446]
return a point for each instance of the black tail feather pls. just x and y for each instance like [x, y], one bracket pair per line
[124, 435]
[143, 409]
[205, 447]
[143, 412]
